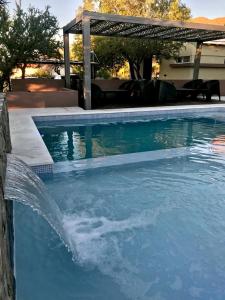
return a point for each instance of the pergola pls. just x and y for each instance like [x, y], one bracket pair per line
[99, 24]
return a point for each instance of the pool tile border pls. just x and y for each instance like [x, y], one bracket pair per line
[126, 115]
[43, 169]
[120, 160]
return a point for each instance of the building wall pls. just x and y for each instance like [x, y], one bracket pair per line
[212, 63]
[212, 73]
[213, 54]
[169, 73]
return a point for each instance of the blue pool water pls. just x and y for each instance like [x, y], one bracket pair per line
[73, 142]
[154, 230]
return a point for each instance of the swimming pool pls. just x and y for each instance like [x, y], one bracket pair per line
[153, 229]
[90, 140]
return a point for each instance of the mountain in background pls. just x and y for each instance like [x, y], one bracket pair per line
[217, 21]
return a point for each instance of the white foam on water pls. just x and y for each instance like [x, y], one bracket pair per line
[97, 244]
[93, 241]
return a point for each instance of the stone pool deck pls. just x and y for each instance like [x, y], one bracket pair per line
[28, 145]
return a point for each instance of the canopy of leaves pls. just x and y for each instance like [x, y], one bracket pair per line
[162, 9]
[26, 36]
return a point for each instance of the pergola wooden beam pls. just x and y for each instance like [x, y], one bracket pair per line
[74, 26]
[141, 21]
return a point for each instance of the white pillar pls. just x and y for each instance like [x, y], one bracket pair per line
[67, 58]
[87, 61]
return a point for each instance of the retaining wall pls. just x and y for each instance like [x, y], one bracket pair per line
[37, 85]
[7, 283]
[61, 98]
[40, 93]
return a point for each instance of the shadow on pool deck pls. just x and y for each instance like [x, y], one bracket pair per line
[198, 101]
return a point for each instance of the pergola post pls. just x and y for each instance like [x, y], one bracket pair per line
[87, 61]
[197, 60]
[67, 58]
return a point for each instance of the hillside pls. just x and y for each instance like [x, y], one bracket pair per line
[217, 21]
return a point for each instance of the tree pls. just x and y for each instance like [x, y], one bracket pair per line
[7, 63]
[2, 3]
[87, 5]
[138, 51]
[109, 54]
[27, 36]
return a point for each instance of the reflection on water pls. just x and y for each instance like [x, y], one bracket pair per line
[95, 140]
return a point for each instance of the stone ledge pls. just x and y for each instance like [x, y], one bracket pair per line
[7, 282]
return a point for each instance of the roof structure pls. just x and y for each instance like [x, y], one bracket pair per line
[138, 27]
[92, 23]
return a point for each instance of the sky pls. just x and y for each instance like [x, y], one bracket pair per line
[65, 10]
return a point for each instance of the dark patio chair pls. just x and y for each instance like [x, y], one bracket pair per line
[136, 91]
[158, 92]
[151, 92]
[211, 88]
[105, 97]
[195, 87]
[126, 85]
[193, 84]
[97, 96]
[167, 92]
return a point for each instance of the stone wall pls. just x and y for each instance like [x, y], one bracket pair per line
[7, 285]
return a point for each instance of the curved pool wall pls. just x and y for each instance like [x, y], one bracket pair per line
[7, 284]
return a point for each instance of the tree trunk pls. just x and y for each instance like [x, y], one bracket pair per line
[138, 68]
[9, 84]
[23, 69]
[6, 84]
[1, 84]
[147, 68]
[132, 72]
